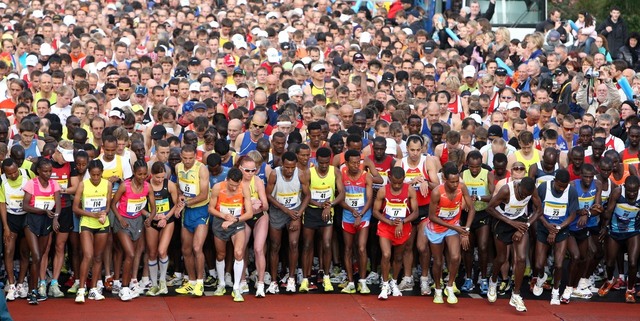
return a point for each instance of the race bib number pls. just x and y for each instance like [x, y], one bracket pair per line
[188, 188]
[63, 182]
[95, 204]
[15, 202]
[396, 210]
[515, 211]
[162, 206]
[45, 202]
[626, 212]
[355, 200]
[476, 189]
[135, 206]
[448, 212]
[288, 200]
[410, 176]
[231, 208]
[321, 195]
[586, 202]
[554, 210]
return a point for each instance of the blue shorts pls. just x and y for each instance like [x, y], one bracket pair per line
[195, 216]
[438, 238]
[76, 223]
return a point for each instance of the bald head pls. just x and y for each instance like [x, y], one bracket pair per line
[235, 124]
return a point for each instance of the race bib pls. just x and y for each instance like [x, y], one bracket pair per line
[287, 199]
[231, 208]
[321, 195]
[134, 206]
[448, 212]
[626, 212]
[15, 202]
[64, 182]
[162, 206]
[515, 211]
[45, 202]
[476, 189]
[396, 210]
[554, 210]
[410, 176]
[355, 200]
[95, 204]
[188, 188]
[586, 202]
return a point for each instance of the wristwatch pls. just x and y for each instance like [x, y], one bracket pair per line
[528, 224]
[558, 227]
[468, 229]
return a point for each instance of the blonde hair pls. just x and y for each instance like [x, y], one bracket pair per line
[506, 34]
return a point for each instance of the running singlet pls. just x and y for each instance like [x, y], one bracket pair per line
[448, 210]
[625, 215]
[94, 200]
[628, 158]
[355, 195]
[44, 199]
[15, 195]
[555, 209]
[586, 199]
[189, 182]
[383, 169]
[542, 176]
[625, 174]
[515, 208]
[116, 171]
[286, 192]
[411, 173]
[573, 175]
[322, 189]
[527, 162]
[444, 158]
[230, 204]
[248, 144]
[62, 175]
[396, 206]
[164, 201]
[478, 186]
[130, 204]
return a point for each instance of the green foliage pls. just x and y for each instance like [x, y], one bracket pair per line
[600, 9]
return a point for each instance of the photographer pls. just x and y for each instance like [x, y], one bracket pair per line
[605, 91]
[561, 92]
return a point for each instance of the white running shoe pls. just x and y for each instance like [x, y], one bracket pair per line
[373, 278]
[260, 290]
[117, 286]
[492, 294]
[555, 297]
[273, 288]
[267, 278]
[394, 288]
[244, 287]
[425, 288]
[21, 290]
[11, 292]
[125, 294]
[80, 295]
[406, 284]
[228, 280]
[384, 291]
[517, 302]
[94, 294]
[537, 288]
[291, 286]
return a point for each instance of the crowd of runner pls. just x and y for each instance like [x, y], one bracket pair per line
[299, 146]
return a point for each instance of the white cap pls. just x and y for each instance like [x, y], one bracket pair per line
[241, 2]
[195, 86]
[116, 113]
[69, 20]
[408, 31]
[365, 37]
[295, 90]
[283, 36]
[273, 56]
[184, 3]
[112, 6]
[67, 154]
[272, 14]
[126, 41]
[255, 30]
[476, 117]
[38, 14]
[344, 18]
[513, 104]
[290, 29]
[101, 65]
[317, 67]
[262, 34]
[214, 24]
[46, 49]
[241, 44]
[13, 76]
[469, 71]
[3, 5]
[243, 92]
[32, 60]
[237, 38]
[392, 147]
[297, 11]
[306, 60]
[231, 87]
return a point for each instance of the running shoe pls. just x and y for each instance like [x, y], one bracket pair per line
[80, 296]
[451, 296]
[153, 291]
[313, 286]
[273, 288]
[362, 287]
[145, 285]
[527, 273]
[70, 281]
[504, 287]
[260, 290]
[237, 296]
[210, 282]
[174, 280]
[100, 286]
[335, 271]
[187, 288]
[42, 291]
[425, 289]
[384, 292]
[555, 297]
[116, 286]
[244, 287]
[73, 289]
[220, 290]
[630, 297]
[326, 284]
[620, 284]
[291, 286]
[304, 286]
[537, 288]
[343, 284]
[228, 280]
[349, 289]
[394, 288]
[32, 297]
[406, 284]
[484, 286]
[163, 288]
[373, 278]
[11, 292]
[198, 289]
[22, 291]
[566, 295]
[437, 298]
[605, 288]
[54, 291]
[517, 302]
[581, 293]
[339, 278]
[125, 294]
[492, 294]
[468, 285]
[136, 287]
[108, 283]
[267, 278]
[94, 294]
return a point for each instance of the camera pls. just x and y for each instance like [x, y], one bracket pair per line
[590, 74]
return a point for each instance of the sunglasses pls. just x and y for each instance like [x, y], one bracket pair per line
[248, 170]
[258, 126]
[569, 129]
[507, 97]
[518, 169]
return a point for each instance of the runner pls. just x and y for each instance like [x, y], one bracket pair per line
[92, 199]
[231, 207]
[132, 195]
[443, 226]
[399, 204]
[509, 209]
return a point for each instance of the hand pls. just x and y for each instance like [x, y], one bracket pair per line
[56, 225]
[517, 236]
[293, 214]
[162, 223]
[558, 24]
[147, 222]
[603, 234]
[462, 231]
[114, 179]
[424, 188]
[229, 218]
[226, 224]
[357, 222]
[7, 234]
[463, 43]
[326, 214]
[50, 214]
[464, 241]
[397, 222]
[294, 226]
[124, 223]
[551, 238]
[327, 204]
[102, 219]
[398, 232]
[608, 28]
[256, 205]
[597, 209]
[520, 226]
[582, 221]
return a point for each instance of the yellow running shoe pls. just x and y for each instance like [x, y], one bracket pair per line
[237, 296]
[304, 286]
[198, 289]
[220, 290]
[326, 282]
[186, 288]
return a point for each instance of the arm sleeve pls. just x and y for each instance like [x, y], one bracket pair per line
[28, 187]
[3, 199]
[126, 171]
[490, 11]
[542, 191]
[573, 199]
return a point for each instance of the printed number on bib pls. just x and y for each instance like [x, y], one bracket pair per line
[15, 202]
[321, 195]
[555, 210]
[188, 188]
[288, 200]
[354, 199]
[448, 212]
[135, 206]
[45, 202]
[230, 208]
[95, 204]
[162, 206]
[396, 210]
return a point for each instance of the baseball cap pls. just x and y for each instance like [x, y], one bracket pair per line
[116, 113]
[141, 90]
[358, 56]
[560, 70]
[318, 67]
[46, 49]
[158, 132]
[199, 105]
[31, 60]
[273, 56]
[501, 72]
[231, 88]
[295, 90]
[513, 105]
[495, 130]
[69, 20]
[392, 147]
[188, 106]
[469, 72]
[238, 71]
[388, 76]
[229, 61]
[194, 61]
[242, 92]
[100, 65]
[137, 108]
[195, 86]
[429, 46]
[67, 154]
[476, 117]
[180, 73]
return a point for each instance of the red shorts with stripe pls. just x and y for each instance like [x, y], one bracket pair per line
[389, 232]
[352, 229]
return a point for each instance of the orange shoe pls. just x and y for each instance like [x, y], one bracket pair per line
[605, 288]
[532, 283]
[630, 296]
[108, 283]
